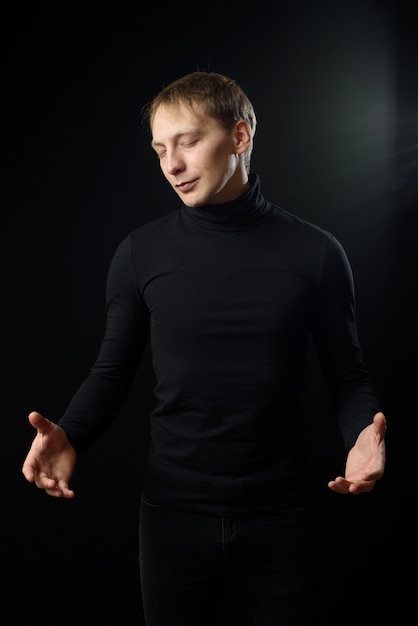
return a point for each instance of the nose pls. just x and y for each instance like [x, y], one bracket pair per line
[173, 162]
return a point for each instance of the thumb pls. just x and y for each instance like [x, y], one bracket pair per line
[380, 421]
[39, 422]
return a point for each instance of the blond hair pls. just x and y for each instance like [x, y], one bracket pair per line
[218, 95]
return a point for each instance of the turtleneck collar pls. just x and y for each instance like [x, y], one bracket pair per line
[237, 214]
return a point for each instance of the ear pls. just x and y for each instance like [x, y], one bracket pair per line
[242, 136]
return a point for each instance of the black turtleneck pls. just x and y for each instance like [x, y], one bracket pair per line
[228, 296]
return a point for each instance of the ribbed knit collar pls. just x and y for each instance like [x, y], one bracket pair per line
[238, 214]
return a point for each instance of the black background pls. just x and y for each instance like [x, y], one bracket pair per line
[335, 87]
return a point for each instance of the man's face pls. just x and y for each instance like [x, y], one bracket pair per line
[197, 155]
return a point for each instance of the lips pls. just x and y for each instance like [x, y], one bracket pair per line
[184, 187]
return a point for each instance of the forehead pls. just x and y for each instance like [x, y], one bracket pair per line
[179, 118]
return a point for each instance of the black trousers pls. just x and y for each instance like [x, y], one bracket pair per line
[188, 560]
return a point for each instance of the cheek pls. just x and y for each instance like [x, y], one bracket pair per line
[218, 161]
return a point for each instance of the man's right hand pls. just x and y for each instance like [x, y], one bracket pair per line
[51, 459]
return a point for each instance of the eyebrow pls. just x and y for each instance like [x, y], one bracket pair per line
[194, 131]
[156, 144]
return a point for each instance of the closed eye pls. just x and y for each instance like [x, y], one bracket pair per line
[187, 144]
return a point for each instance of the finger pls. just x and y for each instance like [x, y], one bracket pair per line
[364, 486]
[39, 422]
[42, 481]
[28, 472]
[66, 491]
[340, 485]
[55, 493]
[61, 492]
[336, 488]
[380, 421]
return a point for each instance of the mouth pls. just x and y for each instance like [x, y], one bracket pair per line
[186, 186]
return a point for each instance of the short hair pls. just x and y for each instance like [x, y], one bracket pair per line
[218, 95]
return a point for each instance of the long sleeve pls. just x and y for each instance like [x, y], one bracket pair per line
[99, 398]
[336, 339]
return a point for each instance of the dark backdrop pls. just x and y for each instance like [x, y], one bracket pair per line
[335, 88]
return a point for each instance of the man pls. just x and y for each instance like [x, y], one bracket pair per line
[228, 288]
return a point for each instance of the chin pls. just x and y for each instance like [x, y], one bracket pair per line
[193, 202]
[193, 205]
